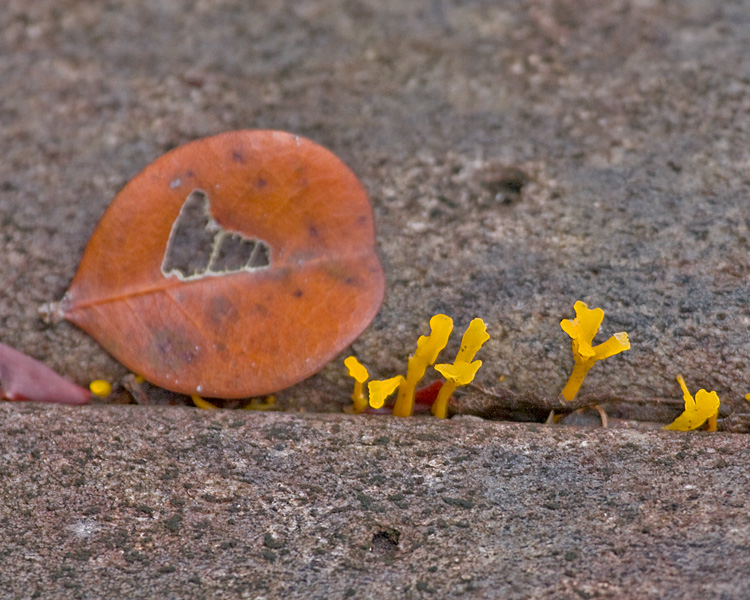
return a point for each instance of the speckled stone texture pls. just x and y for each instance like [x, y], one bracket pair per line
[177, 503]
[519, 157]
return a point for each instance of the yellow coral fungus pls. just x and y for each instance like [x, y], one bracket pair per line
[582, 331]
[100, 388]
[358, 371]
[463, 370]
[379, 390]
[705, 407]
[428, 348]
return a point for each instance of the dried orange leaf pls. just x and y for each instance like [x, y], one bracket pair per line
[232, 266]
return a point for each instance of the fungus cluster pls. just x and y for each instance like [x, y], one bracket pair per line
[460, 372]
[699, 410]
[704, 407]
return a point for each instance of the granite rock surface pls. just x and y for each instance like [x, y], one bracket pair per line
[519, 158]
[174, 502]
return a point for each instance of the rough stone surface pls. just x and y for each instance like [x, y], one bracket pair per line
[174, 502]
[519, 157]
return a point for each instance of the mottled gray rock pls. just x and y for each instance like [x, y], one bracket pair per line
[519, 158]
[174, 502]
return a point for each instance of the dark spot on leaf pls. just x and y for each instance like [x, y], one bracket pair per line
[238, 157]
[221, 310]
[262, 183]
[298, 293]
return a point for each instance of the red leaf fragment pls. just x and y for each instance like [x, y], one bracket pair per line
[24, 378]
[427, 395]
[232, 266]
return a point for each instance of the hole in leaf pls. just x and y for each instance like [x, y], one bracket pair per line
[233, 253]
[260, 257]
[199, 247]
[191, 240]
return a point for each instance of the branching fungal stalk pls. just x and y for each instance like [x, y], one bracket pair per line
[428, 348]
[463, 370]
[357, 371]
[704, 407]
[582, 330]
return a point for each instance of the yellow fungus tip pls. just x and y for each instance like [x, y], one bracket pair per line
[428, 347]
[460, 372]
[704, 407]
[380, 390]
[356, 369]
[474, 338]
[100, 388]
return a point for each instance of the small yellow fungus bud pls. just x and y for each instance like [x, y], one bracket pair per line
[201, 403]
[100, 388]
[705, 407]
[357, 370]
[380, 390]
[747, 397]
[139, 378]
[462, 371]
[428, 348]
[582, 331]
